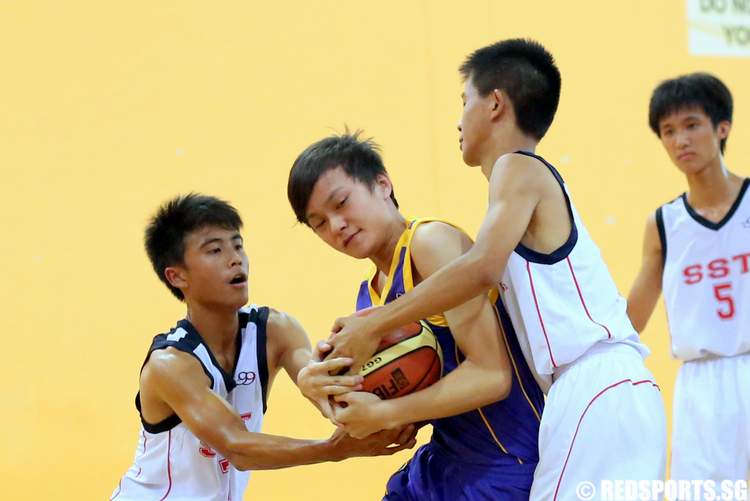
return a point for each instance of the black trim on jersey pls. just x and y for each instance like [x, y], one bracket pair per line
[565, 249]
[662, 236]
[260, 318]
[228, 378]
[160, 427]
[710, 224]
[186, 344]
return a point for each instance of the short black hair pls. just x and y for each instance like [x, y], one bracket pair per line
[696, 90]
[360, 159]
[175, 219]
[526, 72]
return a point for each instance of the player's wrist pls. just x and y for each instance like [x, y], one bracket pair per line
[388, 414]
[333, 448]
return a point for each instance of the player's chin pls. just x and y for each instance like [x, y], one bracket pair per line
[355, 250]
[237, 298]
[468, 158]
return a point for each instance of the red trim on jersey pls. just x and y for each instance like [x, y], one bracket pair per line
[570, 449]
[647, 381]
[538, 311]
[575, 280]
[169, 466]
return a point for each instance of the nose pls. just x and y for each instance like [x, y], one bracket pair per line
[236, 257]
[337, 222]
[682, 139]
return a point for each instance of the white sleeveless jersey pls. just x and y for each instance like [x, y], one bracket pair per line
[563, 303]
[706, 280]
[173, 464]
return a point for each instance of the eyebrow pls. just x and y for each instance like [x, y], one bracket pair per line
[214, 240]
[330, 196]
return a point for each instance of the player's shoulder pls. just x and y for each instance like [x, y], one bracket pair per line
[435, 234]
[521, 163]
[524, 173]
[436, 230]
[169, 364]
[435, 244]
[281, 325]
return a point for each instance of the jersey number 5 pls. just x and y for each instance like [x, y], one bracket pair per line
[723, 294]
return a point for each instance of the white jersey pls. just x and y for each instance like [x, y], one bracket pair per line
[563, 303]
[706, 280]
[173, 464]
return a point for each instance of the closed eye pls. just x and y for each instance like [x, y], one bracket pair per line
[341, 204]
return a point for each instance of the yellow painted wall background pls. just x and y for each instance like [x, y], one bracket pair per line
[107, 109]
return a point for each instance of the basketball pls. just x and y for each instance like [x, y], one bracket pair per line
[408, 359]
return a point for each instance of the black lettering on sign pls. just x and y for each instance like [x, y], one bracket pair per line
[737, 35]
[719, 6]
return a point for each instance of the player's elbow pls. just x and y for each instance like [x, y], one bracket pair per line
[243, 461]
[637, 319]
[239, 453]
[485, 272]
[503, 386]
[497, 385]
[638, 325]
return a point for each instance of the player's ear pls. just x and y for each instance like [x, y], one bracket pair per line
[723, 129]
[384, 184]
[176, 277]
[496, 102]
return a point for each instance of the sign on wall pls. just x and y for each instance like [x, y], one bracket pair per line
[719, 27]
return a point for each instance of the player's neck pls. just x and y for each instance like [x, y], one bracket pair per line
[383, 257]
[505, 140]
[713, 186]
[217, 327]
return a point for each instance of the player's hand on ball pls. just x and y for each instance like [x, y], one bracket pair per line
[383, 443]
[316, 383]
[360, 413]
[351, 337]
[321, 350]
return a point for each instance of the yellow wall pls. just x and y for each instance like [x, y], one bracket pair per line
[107, 109]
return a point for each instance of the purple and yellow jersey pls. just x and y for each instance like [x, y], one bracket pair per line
[504, 432]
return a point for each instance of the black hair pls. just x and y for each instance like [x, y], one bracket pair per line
[526, 72]
[180, 216]
[360, 159]
[696, 90]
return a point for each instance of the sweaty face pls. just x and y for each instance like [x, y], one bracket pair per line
[347, 214]
[474, 124]
[690, 138]
[215, 268]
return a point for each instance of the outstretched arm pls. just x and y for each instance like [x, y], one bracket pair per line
[177, 379]
[515, 191]
[483, 375]
[647, 286]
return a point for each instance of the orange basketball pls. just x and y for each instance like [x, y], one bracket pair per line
[408, 359]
